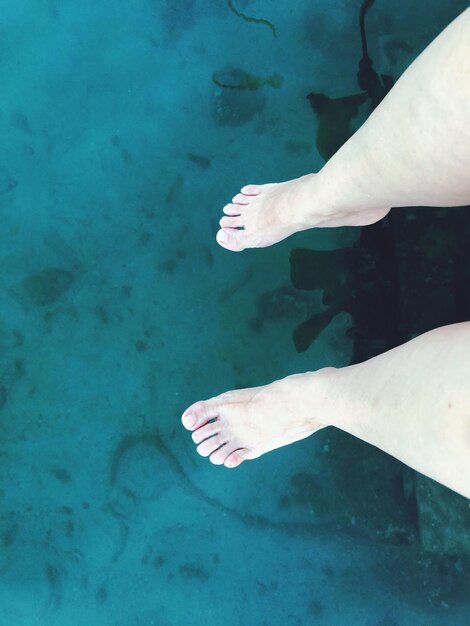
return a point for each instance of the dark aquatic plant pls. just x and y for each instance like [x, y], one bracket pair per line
[334, 116]
[254, 20]
[367, 78]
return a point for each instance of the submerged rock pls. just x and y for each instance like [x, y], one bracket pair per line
[7, 184]
[48, 285]
[21, 122]
[231, 77]
[237, 97]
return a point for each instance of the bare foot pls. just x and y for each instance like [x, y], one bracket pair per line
[246, 423]
[261, 215]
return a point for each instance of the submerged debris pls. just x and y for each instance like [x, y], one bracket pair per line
[231, 77]
[238, 97]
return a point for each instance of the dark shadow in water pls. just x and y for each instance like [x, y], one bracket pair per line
[407, 274]
[334, 116]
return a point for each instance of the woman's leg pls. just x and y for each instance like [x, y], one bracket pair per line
[412, 402]
[413, 150]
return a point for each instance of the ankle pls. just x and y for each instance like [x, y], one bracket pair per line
[316, 397]
[333, 207]
[318, 202]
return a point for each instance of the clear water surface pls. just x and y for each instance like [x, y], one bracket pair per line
[118, 309]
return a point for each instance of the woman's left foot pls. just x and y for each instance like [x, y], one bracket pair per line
[246, 423]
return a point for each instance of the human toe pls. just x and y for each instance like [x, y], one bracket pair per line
[218, 457]
[241, 198]
[232, 209]
[231, 222]
[230, 239]
[199, 414]
[204, 432]
[208, 446]
[251, 190]
[237, 457]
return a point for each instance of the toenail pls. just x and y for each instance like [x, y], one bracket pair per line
[189, 421]
[222, 236]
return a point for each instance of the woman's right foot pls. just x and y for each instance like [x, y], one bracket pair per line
[261, 215]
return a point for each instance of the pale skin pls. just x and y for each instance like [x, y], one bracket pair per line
[413, 401]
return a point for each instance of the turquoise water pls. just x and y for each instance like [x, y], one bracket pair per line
[118, 310]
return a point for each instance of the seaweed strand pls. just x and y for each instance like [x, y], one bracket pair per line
[254, 20]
